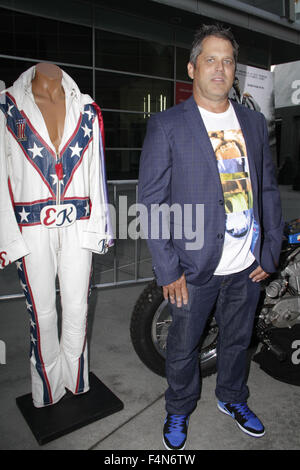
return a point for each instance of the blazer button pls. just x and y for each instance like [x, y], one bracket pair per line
[221, 202]
[220, 236]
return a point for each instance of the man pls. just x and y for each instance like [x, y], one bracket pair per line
[52, 217]
[213, 152]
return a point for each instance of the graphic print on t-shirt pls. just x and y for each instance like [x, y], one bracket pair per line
[230, 150]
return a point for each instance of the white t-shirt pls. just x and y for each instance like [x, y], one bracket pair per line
[229, 146]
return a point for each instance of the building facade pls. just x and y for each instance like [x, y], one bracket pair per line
[131, 56]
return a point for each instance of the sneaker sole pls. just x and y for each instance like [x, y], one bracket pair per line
[241, 427]
[169, 448]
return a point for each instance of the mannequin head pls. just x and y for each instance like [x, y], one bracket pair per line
[51, 71]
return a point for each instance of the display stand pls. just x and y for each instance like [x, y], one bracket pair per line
[70, 413]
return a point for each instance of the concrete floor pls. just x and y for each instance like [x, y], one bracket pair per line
[112, 358]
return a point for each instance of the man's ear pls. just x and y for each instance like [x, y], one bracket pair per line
[190, 70]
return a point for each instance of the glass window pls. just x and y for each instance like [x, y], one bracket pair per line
[120, 52]
[251, 55]
[43, 39]
[182, 59]
[124, 129]
[82, 77]
[69, 43]
[11, 70]
[128, 92]
[7, 38]
[122, 164]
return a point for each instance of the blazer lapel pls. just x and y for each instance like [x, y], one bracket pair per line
[202, 141]
[248, 136]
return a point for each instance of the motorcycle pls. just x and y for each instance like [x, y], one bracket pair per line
[278, 309]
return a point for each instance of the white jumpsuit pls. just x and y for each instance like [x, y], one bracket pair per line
[53, 215]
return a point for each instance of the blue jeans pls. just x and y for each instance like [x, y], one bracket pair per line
[235, 297]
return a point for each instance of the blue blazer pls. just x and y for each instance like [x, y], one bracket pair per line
[178, 166]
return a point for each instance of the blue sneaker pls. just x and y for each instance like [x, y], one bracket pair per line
[246, 420]
[175, 431]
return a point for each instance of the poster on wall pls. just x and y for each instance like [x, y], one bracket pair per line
[183, 91]
[254, 88]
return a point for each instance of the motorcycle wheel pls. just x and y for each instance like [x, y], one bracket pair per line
[149, 326]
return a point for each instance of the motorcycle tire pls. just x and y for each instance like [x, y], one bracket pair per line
[149, 326]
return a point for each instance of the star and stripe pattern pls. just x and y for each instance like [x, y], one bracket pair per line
[29, 213]
[81, 361]
[35, 343]
[40, 155]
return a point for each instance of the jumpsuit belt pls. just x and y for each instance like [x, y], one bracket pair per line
[28, 213]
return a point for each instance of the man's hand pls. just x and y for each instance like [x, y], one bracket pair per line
[176, 291]
[258, 274]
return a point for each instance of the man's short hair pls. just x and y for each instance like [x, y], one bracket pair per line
[216, 30]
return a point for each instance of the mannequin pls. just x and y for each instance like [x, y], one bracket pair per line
[54, 215]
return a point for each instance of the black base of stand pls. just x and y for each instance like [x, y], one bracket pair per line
[70, 413]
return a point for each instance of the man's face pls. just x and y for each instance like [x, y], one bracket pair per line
[214, 72]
